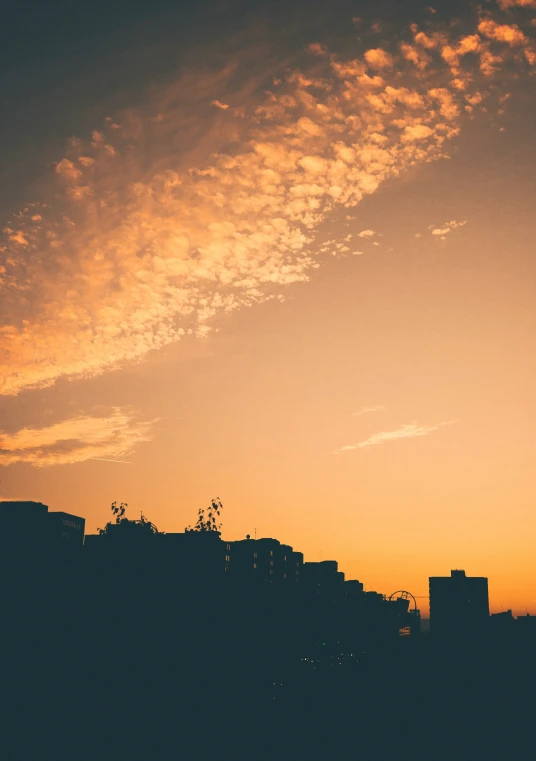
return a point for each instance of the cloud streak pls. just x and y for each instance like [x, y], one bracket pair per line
[408, 431]
[105, 459]
[140, 240]
[84, 437]
[365, 410]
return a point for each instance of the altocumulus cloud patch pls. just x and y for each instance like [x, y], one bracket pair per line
[131, 248]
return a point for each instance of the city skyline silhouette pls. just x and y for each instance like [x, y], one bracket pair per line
[149, 628]
[39, 526]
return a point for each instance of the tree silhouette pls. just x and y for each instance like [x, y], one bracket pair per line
[207, 520]
[124, 526]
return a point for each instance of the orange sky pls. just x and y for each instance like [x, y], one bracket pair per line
[303, 284]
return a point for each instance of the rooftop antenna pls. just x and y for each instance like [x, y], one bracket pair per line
[255, 533]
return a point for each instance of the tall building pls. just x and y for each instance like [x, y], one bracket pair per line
[30, 525]
[459, 604]
[353, 589]
[22, 524]
[65, 527]
[40, 562]
[323, 579]
[265, 560]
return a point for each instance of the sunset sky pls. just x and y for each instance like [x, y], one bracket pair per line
[279, 253]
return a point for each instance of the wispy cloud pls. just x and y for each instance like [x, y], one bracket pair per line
[408, 431]
[366, 409]
[147, 231]
[105, 459]
[80, 438]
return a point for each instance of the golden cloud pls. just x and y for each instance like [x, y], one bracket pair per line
[80, 438]
[408, 431]
[505, 4]
[379, 59]
[509, 33]
[149, 231]
[446, 228]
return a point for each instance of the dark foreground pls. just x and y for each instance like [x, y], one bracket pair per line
[146, 693]
[126, 668]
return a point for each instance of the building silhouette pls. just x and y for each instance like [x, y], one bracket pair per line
[459, 604]
[353, 588]
[204, 645]
[265, 560]
[323, 579]
[30, 525]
